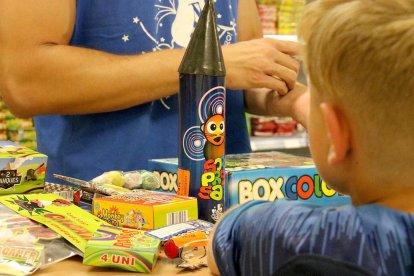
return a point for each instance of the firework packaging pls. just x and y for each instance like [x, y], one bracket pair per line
[144, 209]
[124, 248]
[262, 176]
[202, 118]
[22, 170]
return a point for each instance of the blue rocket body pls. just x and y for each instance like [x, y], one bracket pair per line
[202, 138]
[202, 119]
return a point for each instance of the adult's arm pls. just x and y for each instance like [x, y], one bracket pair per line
[41, 74]
[262, 98]
[254, 61]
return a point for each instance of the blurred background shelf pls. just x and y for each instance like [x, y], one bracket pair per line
[297, 144]
[299, 140]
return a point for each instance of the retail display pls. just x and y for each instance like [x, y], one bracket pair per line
[268, 15]
[273, 126]
[202, 117]
[19, 130]
[3, 126]
[126, 219]
[280, 16]
[289, 14]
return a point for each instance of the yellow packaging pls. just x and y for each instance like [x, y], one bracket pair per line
[145, 209]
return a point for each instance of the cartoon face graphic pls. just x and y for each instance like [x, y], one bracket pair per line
[213, 129]
[139, 219]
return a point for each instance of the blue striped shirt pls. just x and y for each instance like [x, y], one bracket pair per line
[260, 236]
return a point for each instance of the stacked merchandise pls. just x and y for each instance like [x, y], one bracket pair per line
[3, 127]
[268, 15]
[280, 16]
[16, 129]
[289, 14]
[273, 126]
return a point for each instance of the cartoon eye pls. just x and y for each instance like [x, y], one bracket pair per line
[222, 126]
[211, 127]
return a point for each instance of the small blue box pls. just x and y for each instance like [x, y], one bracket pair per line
[261, 176]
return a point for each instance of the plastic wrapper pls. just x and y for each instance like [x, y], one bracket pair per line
[186, 242]
[116, 182]
[139, 179]
[26, 246]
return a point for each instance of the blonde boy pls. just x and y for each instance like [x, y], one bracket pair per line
[359, 56]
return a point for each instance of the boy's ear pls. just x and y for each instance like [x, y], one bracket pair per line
[338, 133]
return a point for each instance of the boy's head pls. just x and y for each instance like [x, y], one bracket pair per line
[359, 57]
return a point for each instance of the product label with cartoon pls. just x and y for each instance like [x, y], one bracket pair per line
[22, 170]
[202, 103]
[201, 157]
[70, 221]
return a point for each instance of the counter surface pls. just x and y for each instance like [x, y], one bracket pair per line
[164, 266]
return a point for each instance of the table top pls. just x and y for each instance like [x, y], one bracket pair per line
[164, 266]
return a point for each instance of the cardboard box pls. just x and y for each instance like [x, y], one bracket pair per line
[145, 209]
[123, 248]
[22, 170]
[261, 176]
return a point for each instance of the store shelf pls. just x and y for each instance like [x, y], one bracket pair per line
[279, 142]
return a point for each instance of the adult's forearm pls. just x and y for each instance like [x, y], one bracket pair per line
[62, 79]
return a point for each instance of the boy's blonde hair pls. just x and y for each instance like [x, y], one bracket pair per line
[359, 54]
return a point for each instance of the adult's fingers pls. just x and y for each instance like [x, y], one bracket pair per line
[288, 47]
[284, 74]
[287, 61]
[275, 83]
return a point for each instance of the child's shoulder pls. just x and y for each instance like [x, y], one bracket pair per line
[312, 216]
[370, 235]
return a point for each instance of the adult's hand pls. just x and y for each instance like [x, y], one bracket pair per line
[267, 102]
[261, 63]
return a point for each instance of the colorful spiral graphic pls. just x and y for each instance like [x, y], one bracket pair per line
[212, 103]
[193, 143]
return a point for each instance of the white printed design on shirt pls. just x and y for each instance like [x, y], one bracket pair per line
[186, 14]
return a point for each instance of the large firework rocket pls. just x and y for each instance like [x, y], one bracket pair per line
[201, 118]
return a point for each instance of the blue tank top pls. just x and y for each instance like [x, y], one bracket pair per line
[85, 146]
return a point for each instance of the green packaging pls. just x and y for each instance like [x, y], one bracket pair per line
[22, 170]
[124, 248]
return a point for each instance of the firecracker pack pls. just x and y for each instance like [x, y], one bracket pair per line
[145, 209]
[22, 170]
[261, 176]
[77, 226]
[124, 248]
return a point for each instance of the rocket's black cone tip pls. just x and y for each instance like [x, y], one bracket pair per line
[203, 55]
